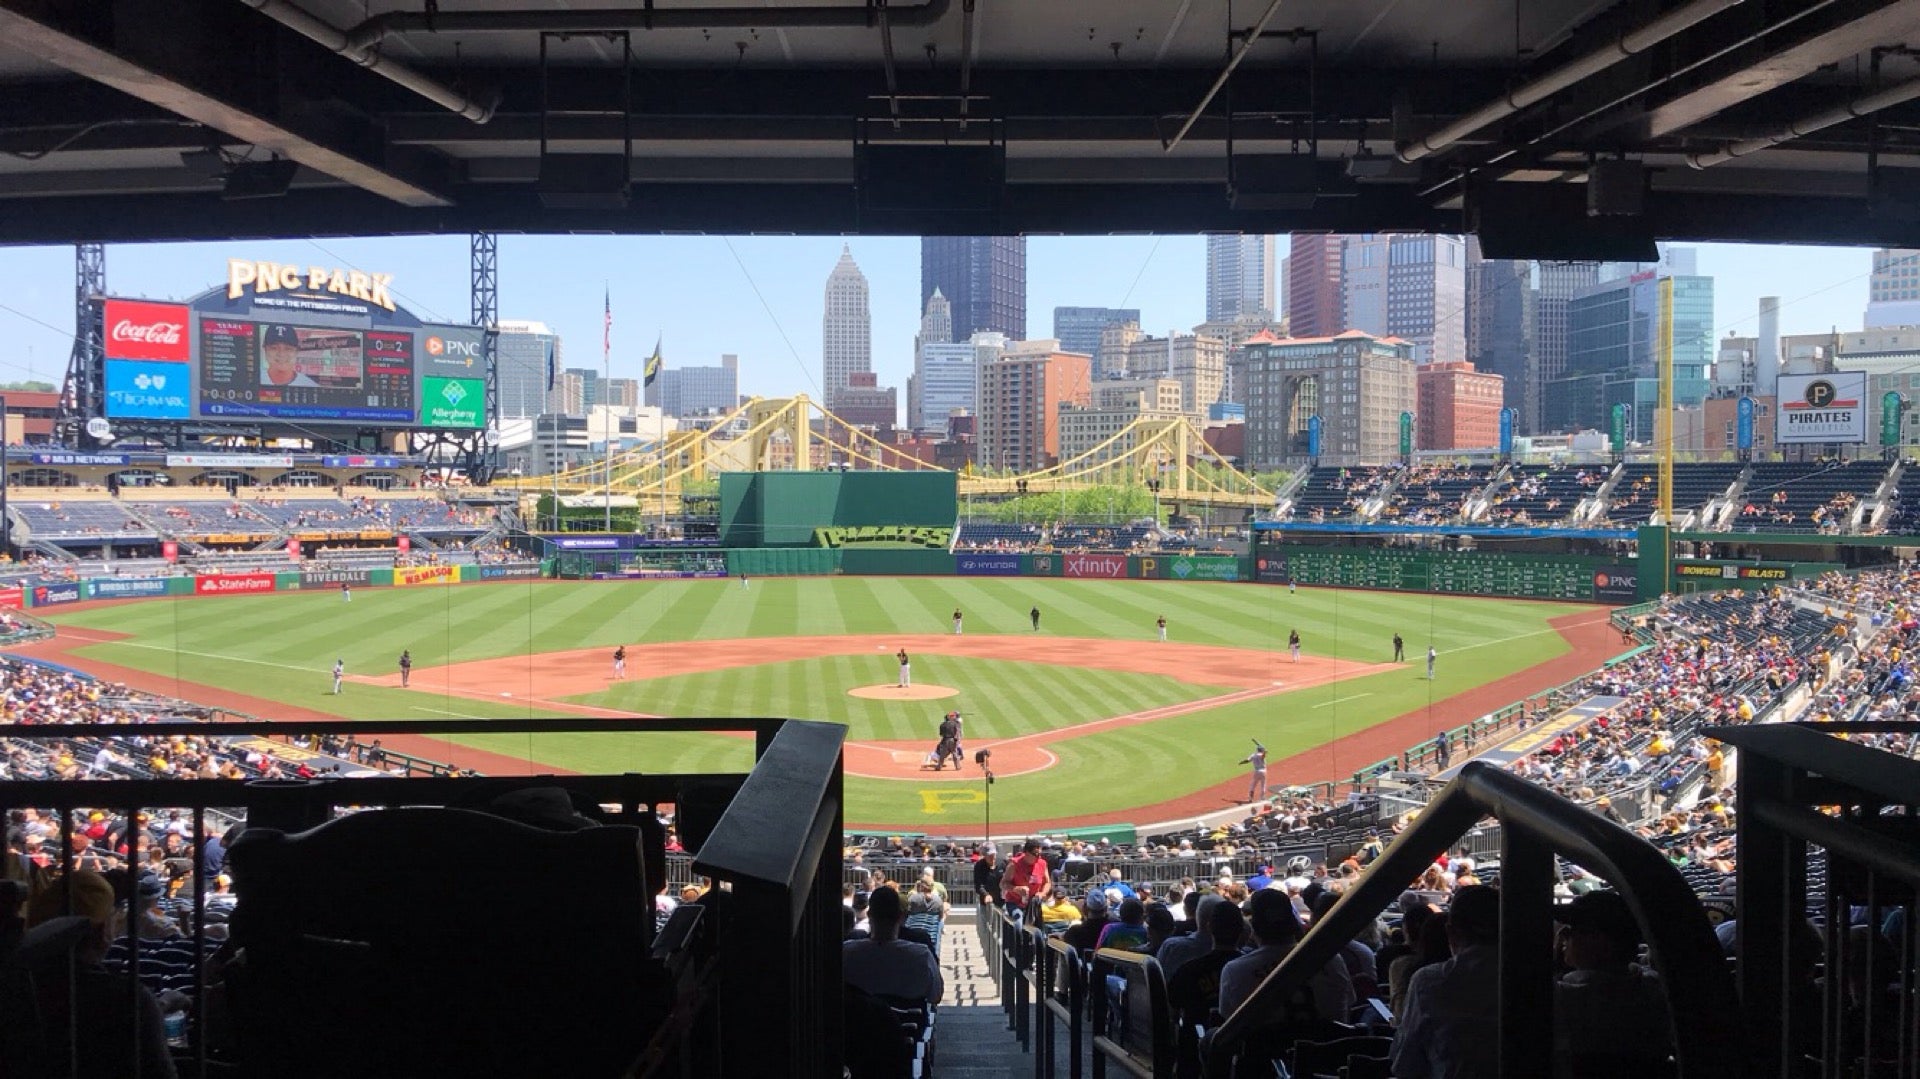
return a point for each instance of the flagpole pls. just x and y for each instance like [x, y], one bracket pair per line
[606, 381]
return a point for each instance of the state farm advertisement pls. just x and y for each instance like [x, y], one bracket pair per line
[137, 330]
[232, 584]
[1093, 565]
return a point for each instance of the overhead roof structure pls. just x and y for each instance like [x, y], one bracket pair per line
[1552, 128]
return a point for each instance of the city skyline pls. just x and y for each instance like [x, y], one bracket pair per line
[703, 304]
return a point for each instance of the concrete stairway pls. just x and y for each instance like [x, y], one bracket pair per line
[972, 1039]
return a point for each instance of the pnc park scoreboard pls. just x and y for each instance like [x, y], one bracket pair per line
[289, 346]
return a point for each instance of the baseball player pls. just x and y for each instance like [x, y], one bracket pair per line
[1160, 624]
[346, 593]
[956, 621]
[1431, 654]
[1034, 616]
[620, 661]
[1293, 645]
[406, 667]
[1257, 787]
[906, 670]
[339, 673]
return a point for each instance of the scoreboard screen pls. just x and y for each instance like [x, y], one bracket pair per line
[278, 371]
[1466, 573]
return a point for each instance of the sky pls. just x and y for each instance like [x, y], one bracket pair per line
[761, 297]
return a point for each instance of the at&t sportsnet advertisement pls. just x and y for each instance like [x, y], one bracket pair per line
[300, 344]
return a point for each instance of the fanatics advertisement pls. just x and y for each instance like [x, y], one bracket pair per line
[1822, 408]
[232, 584]
[49, 595]
[987, 565]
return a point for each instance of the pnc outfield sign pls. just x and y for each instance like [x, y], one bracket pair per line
[265, 277]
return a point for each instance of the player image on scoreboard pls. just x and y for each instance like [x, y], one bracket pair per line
[295, 358]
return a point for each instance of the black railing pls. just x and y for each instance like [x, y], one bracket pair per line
[770, 943]
[1822, 818]
[1535, 825]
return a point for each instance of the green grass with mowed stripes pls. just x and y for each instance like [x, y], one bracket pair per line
[280, 647]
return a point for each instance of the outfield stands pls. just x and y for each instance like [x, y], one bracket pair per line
[1533, 495]
[1434, 494]
[996, 536]
[1332, 494]
[80, 520]
[1815, 496]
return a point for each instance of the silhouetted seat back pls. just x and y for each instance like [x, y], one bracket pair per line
[444, 942]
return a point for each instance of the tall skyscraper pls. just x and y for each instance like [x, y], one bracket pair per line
[1893, 292]
[1240, 277]
[520, 363]
[1413, 287]
[1500, 329]
[983, 277]
[1558, 283]
[695, 391]
[1313, 285]
[1020, 398]
[1612, 351]
[1078, 328]
[846, 340]
[936, 329]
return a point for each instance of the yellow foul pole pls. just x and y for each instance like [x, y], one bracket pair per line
[1663, 419]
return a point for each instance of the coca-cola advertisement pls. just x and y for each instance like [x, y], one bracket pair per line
[137, 330]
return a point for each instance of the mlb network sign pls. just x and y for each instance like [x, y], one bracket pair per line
[1822, 408]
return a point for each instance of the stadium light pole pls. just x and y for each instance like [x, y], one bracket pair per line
[6, 529]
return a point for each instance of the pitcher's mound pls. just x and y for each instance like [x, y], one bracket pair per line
[911, 693]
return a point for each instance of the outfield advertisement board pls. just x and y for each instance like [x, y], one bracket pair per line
[1191, 567]
[987, 565]
[232, 584]
[12, 599]
[1093, 565]
[334, 578]
[404, 576]
[1271, 568]
[1616, 584]
[512, 571]
[126, 587]
[54, 593]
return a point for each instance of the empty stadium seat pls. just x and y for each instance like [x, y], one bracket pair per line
[491, 948]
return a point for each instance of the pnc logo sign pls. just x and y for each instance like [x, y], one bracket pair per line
[447, 348]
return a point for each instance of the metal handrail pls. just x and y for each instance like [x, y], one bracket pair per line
[1535, 825]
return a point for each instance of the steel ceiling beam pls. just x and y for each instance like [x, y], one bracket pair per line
[582, 21]
[38, 27]
[1849, 30]
[1563, 77]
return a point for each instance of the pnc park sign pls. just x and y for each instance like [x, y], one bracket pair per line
[261, 278]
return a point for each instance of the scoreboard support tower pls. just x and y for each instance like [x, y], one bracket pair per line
[473, 450]
[80, 394]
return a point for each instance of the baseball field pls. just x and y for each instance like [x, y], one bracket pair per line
[1090, 717]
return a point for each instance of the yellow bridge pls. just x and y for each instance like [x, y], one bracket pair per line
[767, 434]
